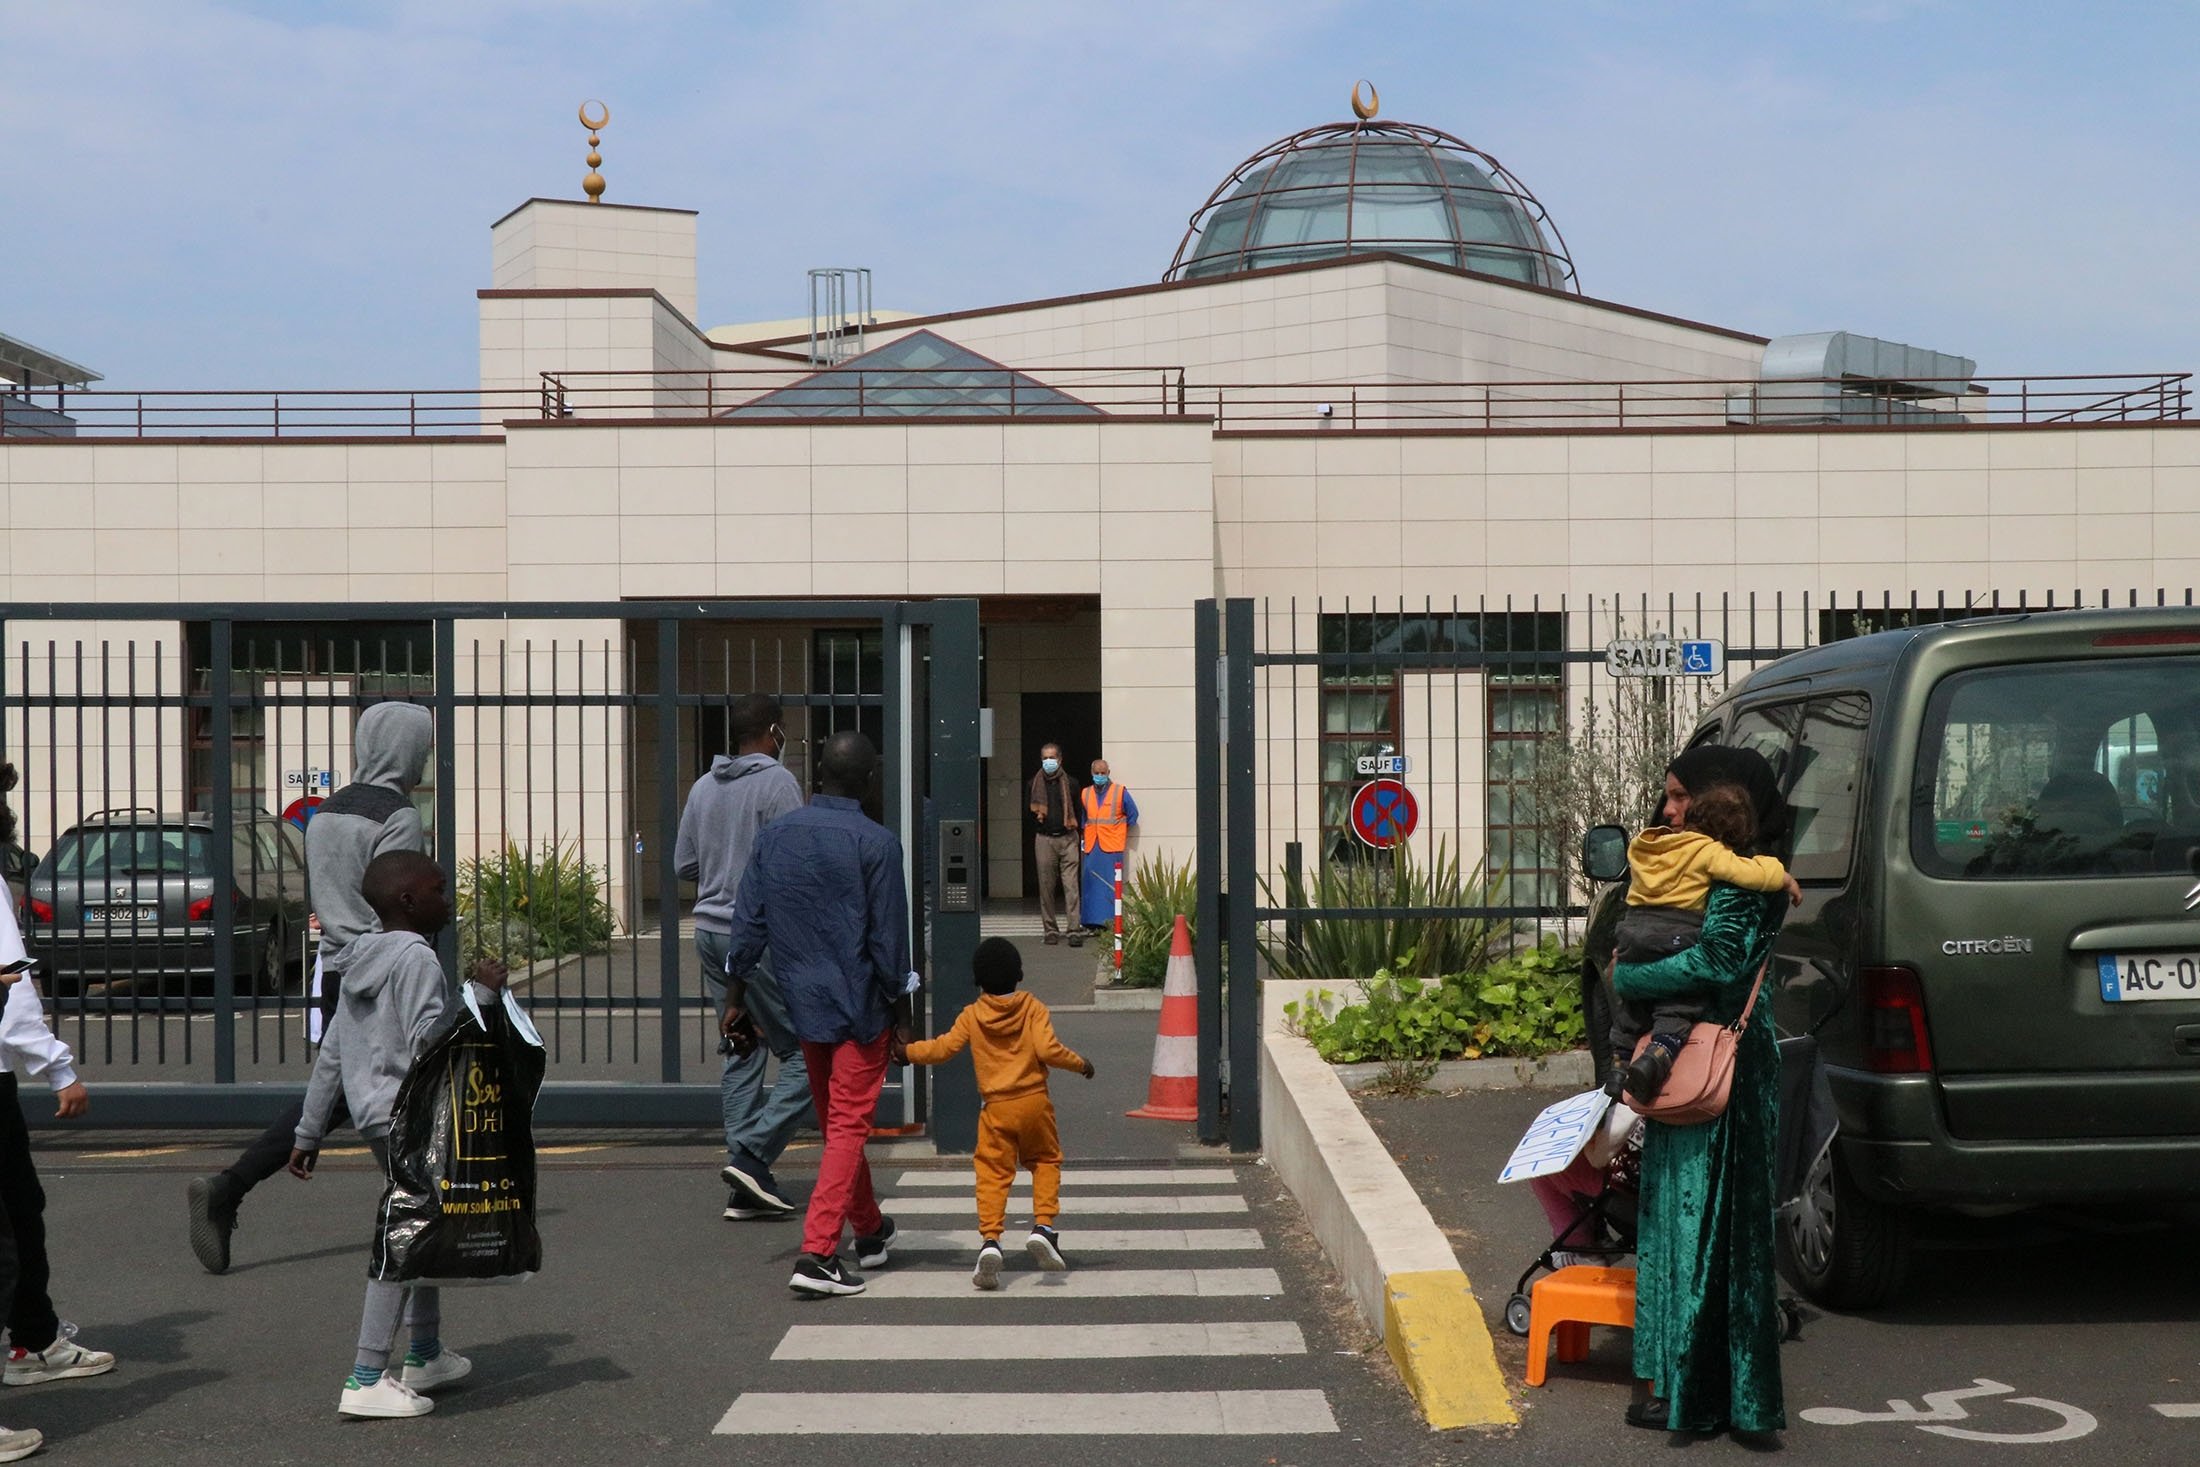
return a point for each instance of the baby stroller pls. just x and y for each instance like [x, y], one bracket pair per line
[1602, 1229]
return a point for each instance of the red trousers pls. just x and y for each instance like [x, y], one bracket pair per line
[845, 1079]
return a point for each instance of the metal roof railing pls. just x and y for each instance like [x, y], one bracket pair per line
[961, 394]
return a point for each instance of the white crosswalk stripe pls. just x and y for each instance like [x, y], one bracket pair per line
[1035, 1341]
[1213, 1176]
[921, 1310]
[990, 1413]
[1108, 1204]
[1097, 1240]
[1083, 1283]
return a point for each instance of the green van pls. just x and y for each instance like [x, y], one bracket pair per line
[1996, 826]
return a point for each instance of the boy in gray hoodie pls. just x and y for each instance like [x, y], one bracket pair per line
[370, 815]
[391, 1004]
[738, 797]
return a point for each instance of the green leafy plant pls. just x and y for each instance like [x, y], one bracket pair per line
[1157, 891]
[1527, 1004]
[518, 906]
[1351, 948]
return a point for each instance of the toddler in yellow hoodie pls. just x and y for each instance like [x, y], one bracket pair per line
[1012, 1045]
[1670, 872]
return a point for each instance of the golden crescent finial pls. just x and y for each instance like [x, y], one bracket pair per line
[593, 185]
[1365, 111]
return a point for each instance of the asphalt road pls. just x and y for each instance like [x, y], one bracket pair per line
[653, 1318]
[2071, 1332]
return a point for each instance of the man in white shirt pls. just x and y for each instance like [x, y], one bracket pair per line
[42, 1347]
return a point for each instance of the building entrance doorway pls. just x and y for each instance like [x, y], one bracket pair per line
[1071, 720]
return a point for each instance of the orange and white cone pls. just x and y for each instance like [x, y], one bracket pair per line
[1173, 1092]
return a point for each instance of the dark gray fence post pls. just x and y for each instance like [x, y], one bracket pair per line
[1244, 835]
[955, 796]
[668, 825]
[221, 779]
[446, 774]
[1207, 859]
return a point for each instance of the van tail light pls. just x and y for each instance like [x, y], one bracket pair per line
[1895, 1035]
[41, 911]
[202, 910]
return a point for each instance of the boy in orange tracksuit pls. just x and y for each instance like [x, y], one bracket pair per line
[1011, 1042]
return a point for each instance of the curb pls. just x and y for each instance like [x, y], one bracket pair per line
[1127, 1000]
[1395, 1262]
[1568, 1071]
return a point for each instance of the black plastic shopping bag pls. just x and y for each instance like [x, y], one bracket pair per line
[460, 1200]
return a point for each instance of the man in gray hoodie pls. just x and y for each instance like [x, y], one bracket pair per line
[372, 814]
[739, 796]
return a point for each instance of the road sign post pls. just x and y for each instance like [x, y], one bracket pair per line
[1384, 813]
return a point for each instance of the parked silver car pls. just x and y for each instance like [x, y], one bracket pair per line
[127, 901]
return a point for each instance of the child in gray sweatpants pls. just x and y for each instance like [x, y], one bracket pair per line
[392, 1003]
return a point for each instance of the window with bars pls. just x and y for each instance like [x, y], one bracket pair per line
[1366, 657]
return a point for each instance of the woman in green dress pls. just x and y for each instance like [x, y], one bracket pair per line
[1707, 1317]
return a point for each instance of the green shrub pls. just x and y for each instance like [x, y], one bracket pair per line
[1153, 896]
[1350, 948]
[519, 907]
[1528, 1004]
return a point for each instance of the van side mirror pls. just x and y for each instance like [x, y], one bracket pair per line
[1604, 853]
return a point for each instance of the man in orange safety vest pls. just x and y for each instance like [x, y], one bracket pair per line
[1109, 812]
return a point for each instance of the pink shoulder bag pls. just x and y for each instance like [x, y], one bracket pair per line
[1703, 1071]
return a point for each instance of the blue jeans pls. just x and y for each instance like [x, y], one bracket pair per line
[758, 1122]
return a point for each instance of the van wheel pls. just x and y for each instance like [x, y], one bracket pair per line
[1840, 1247]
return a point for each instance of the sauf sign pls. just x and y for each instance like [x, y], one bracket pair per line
[1665, 657]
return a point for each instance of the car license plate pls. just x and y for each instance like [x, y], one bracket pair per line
[2136, 977]
[111, 916]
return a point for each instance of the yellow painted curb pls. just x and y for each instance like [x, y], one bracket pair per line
[1442, 1348]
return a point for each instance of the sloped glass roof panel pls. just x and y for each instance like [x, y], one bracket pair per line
[923, 375]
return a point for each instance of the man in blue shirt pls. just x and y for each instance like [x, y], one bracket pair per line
[824, 897]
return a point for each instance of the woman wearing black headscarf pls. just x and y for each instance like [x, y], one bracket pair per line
[1707, 1318]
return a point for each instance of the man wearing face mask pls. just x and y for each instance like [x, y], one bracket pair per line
[1109, 814]
[1053, 801]
[738, 797]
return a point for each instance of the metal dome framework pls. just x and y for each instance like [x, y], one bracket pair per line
[1374, 187]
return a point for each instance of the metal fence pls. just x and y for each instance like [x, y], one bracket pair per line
[170, 758]
[798, 392]
[1520, 722]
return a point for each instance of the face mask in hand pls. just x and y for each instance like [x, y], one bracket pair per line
[1099, 781]
[1051, 766]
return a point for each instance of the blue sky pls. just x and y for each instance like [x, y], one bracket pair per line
[276, 194]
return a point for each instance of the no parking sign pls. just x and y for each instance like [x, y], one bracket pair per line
[1384, 813]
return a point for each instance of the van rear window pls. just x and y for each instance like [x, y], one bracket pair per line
[2061, 769]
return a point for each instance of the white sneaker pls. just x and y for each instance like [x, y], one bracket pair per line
[64, 1359]
[387, 1397]
[444, 1369]
[16, 1445]
[987, 1275]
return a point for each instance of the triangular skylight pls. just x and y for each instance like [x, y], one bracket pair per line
[922, 375]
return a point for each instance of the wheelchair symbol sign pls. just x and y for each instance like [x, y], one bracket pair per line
[1702, 658]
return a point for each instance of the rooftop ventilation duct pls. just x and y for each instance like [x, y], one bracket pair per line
[1833, 377]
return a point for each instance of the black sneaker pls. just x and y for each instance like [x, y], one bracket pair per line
[873, 1249]
[823, 1278]
[739, 1209]
[1045, 1247]
[1615, 1084]
[1077, 939]
[987, 1275]
[1648, 1072]
[754, 1180]
[213, 1219]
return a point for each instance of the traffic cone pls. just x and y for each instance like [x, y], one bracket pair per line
[1173, 1092]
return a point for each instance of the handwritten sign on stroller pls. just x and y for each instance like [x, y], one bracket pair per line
[1556, 1137]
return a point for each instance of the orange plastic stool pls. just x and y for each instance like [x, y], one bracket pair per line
[1567, 1303]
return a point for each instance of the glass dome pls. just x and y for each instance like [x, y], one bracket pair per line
[1357, 188]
